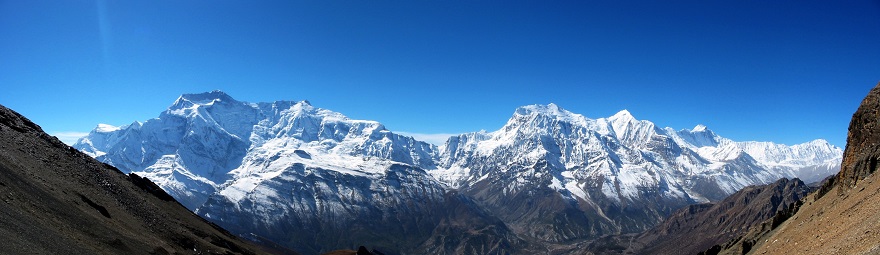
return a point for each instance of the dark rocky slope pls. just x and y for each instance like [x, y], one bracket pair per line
[697, 228]
[453, 225]
[57, 200]
[708, 224]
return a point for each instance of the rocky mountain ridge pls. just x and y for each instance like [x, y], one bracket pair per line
[549, 178]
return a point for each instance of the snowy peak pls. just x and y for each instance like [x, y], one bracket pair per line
[305, 109]
[624, 116]
[543, 116]
[701, 130]
[700, 136]
[303, 122]
[818, 143]
[191, 104]
[631, 131]
[206, 97]
[548, 109]
[814, 152]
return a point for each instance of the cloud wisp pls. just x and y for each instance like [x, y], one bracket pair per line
[69, 137]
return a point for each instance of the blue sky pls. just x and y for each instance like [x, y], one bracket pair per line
[782, 71]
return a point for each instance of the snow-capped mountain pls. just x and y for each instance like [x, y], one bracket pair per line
[624, 147]
[629, 173]
[315, 180]
[298, 175]
[205, 140]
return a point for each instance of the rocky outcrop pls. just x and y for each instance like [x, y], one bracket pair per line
[862, 142]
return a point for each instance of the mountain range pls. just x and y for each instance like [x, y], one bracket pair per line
[548, 181]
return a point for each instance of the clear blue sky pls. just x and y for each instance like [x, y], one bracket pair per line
[783, 71]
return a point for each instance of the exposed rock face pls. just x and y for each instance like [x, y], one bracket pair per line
[862, 142]
[57, 200]
[403, 213]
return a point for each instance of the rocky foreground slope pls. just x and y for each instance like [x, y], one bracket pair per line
[57, 200]
[842, 217]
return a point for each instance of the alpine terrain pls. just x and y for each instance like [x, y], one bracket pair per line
[548, 181]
